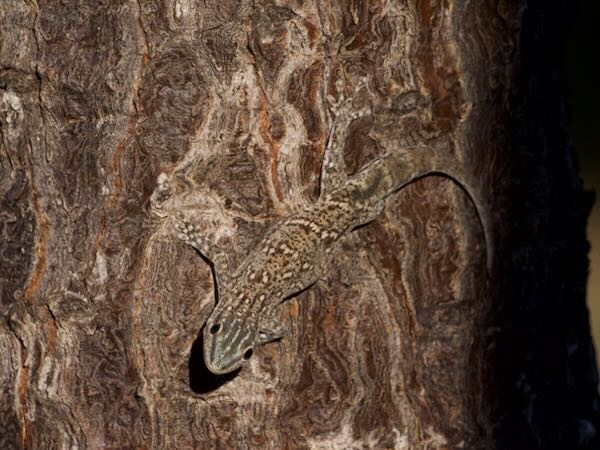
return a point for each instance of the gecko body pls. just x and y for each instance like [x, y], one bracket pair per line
[296, 250]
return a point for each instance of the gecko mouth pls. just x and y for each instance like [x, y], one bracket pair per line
[218, 369]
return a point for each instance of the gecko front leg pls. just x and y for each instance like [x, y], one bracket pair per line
[270, 327]
[190, 234]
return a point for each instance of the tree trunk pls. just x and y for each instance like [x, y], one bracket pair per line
[117, 116]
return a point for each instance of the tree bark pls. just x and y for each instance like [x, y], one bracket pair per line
[117, 116]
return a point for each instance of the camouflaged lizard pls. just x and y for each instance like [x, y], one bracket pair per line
[296, 251]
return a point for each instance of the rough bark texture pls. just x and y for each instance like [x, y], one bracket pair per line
[116, 115]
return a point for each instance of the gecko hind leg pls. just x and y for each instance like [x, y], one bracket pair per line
[333, 171]
[190, 234]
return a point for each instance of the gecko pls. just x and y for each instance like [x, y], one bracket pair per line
[296, 250]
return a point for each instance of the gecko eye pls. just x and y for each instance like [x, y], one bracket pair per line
[215, 328]
[248, 354]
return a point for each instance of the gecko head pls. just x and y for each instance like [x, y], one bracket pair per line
[229, 342]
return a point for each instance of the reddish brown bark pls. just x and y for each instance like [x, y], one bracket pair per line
[114, 116]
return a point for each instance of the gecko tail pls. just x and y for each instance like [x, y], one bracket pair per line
[408, 165]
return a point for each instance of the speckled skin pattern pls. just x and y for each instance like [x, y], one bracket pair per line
[296, 251]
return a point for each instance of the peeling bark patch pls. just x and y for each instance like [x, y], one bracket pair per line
[116, 158]
[265, 131]
[42, 236]
[23, 384]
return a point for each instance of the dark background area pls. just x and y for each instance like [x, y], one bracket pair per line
[583, 76]
[544, 366]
